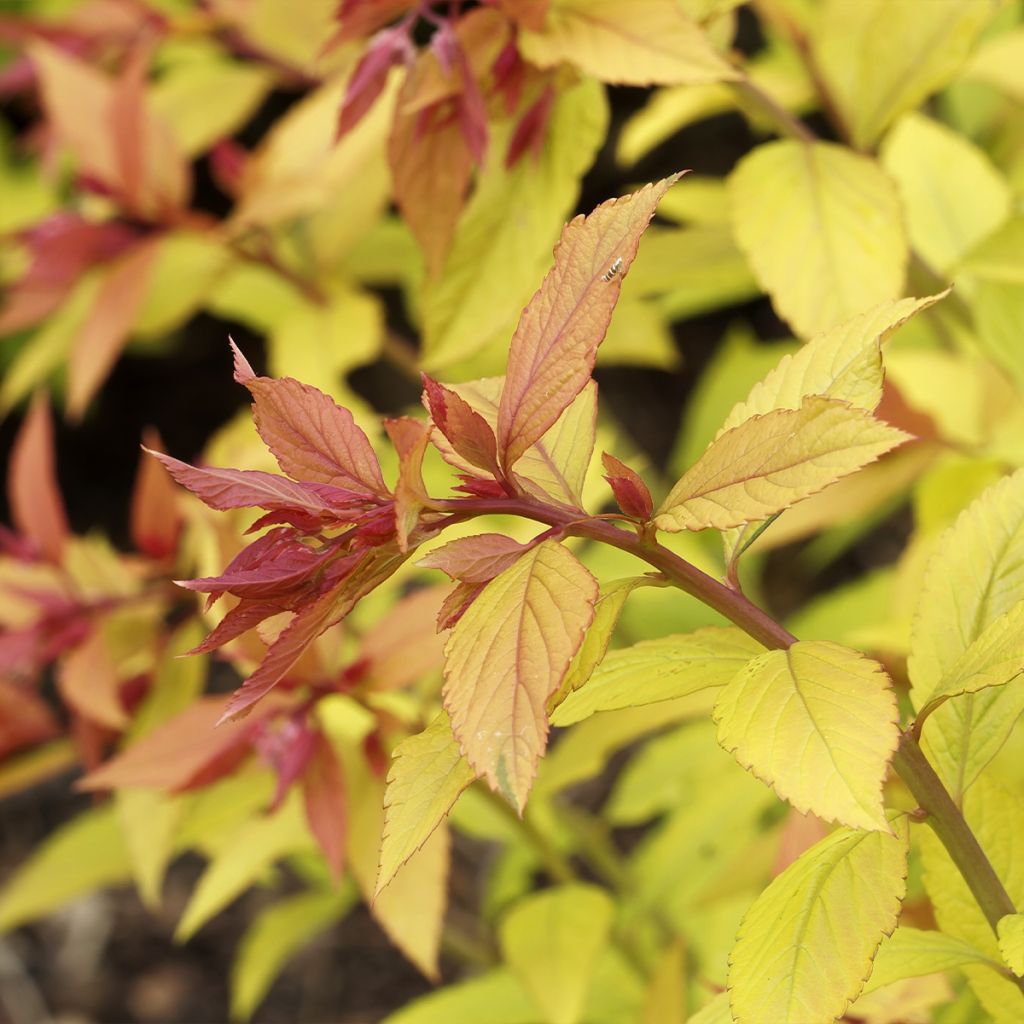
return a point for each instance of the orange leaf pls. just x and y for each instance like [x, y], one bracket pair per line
[554, 347]
[410, 438]
[507, 655]
[403, 645]
[323, 788]
[25, 718]
[90, 683]
[475, 559]
[155, 517]
[108, 325]
[36, 504]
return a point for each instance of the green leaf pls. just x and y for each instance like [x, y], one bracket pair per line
[822, 228]
[275, 935]
[86, 854]
[770, 462]
[503, 242]
[806, 945]
[552, 941]
[659, 670]
[880, 58]
[552, 352]
[1011, 942]
[975, 576]
[595, 644]
[952, 193]
[996, 817]
[641, 43]
[427, 774]
[497, 997]
[912, 953]
[506, 656]
[243, 862]
[819, 724]
[149, 820]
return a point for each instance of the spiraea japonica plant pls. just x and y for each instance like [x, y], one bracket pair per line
[528, 629]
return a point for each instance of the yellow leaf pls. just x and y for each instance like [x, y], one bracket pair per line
[975, 576]
[658, 670]
[505, 658]
[149, 820]
[822, 228]
[819, 724]
[953, 195]
[998, 62]
[770, 462]
[79, 857]
[1011, 942]
[666, 994]
[806, 945]
[639, 43]
[552, 941]
[274, 936]
[496, 996]
[552, 352]
[243, 861]
[880, 58]
[996, 817]
[503, 241]
[912, 953]
[427, 774]
[638, 335]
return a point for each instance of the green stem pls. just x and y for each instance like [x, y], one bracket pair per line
[909, 762]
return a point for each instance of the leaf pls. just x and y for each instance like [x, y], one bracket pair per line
[554, 347]
[595, 644]
[274, 936]
[410, 438]
[507, 655]
[108, 324]
[666, 996]
[912, 953]
[496, 996]
[476, 559]
[149, 821]
[770, 462]
[952, 193]
[658, 670]
[819, 724]
[975, 576]
[311, 437]
[552, 940]
[326, 803]
[806, 945]
[37, 507]
[85, 854]
[1011, 942]
[503, 241]
[90, 683]
[427, 774]
[994, 659]
[844, 362]
[25, 718]
[155, 518]
[646, 42]
[469, 434]
[879, 59]
[242, 862]
[822, 228]
[629, 489]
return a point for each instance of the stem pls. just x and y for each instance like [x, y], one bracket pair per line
[909, 762]
[786, 123]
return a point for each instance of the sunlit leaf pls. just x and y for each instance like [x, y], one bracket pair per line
[1011, 942]
[818, 723]
[770, 462]
[822, 228]
[505, 658]
[912, 952]
[552, 940]
[806, 945]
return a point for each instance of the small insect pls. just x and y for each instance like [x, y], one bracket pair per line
[612, 270]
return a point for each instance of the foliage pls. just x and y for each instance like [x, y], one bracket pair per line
[433, 152]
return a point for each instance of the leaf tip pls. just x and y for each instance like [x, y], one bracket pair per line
[243, 370]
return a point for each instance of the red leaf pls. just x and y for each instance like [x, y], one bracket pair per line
[312, 437]
[553, 349]
[467, 431]
[323, 787]
[472, 109]
[530, 131]
[475, 559]
[286, 567]
[360, 18]
[309, 622]
[178, 752]
[155, 517]
[630, 491]
[410, 438]
[109, 323]
[286, 745]
[386, 50]
[224, 489]
[36, 504]
[457, 603]
[25, 718]
[243, 617]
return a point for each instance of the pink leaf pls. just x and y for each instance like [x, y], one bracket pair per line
[553, 350]
[475, 559]
[323, 787]
[290, 566]
[630, 491]
[410, 438]
[386, 50]
[467, 431]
